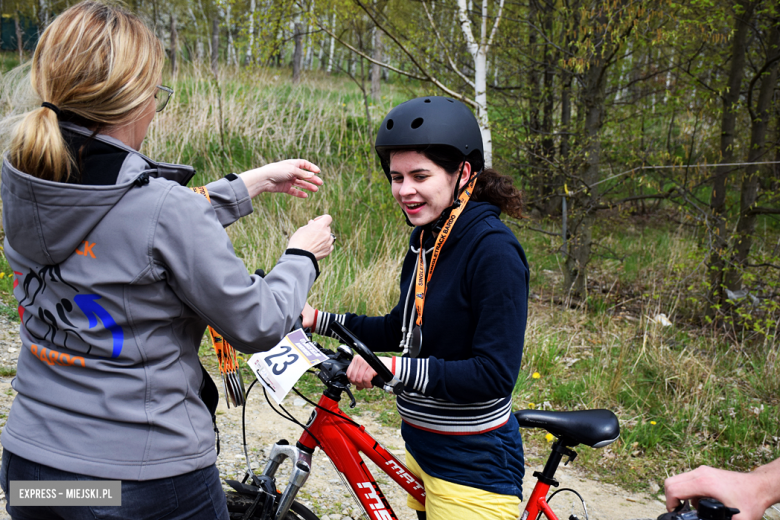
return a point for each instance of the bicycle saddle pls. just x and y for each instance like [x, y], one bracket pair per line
[594, 428]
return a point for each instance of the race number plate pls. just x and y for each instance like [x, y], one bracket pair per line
[281, 367]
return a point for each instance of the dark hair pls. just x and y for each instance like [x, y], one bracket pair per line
[492, 186]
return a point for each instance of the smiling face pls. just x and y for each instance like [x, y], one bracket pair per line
[421, 187]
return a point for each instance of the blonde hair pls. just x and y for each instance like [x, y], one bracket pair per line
[96, 63]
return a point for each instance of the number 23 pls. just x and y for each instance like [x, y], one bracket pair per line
[275, 367]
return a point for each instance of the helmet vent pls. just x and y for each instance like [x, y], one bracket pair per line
[417, 123]
[427, 100]
[389, 124]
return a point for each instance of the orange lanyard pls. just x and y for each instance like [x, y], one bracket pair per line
[421, 282]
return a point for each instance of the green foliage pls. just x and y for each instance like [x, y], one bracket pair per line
[683, 398]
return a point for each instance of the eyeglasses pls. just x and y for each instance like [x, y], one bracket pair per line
[163, 95]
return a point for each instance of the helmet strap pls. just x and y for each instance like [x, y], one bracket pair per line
[439, 222]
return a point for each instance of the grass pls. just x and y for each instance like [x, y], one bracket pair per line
[685, 395]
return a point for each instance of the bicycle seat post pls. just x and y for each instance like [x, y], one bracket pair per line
[559, 449]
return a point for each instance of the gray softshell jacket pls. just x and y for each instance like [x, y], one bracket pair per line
[116, 285]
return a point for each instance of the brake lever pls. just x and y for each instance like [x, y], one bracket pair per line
[352, 401]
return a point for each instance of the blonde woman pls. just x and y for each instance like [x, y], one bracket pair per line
[119, 268]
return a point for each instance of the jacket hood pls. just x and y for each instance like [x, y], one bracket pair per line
[46, 221]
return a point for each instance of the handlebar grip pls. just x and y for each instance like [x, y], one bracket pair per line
[383, 373]
[395, 386]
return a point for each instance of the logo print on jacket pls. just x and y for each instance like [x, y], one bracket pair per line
[47, 326]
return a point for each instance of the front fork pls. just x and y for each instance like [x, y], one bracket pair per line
[301, 461]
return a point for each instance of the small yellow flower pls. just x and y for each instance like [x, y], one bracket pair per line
[653, 423]
[549, 437]
[536, 375]
[531, 405]
[2, 275]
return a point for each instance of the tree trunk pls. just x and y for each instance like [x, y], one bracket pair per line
[174, 46]
[332, 43]
[757, 152]
[248, 59]
[550, 183]
[19, 36]
[567, 78]
[214, 43]
[43, 16]
[586, 198]
[478, 48]
[376, 72]
[534, 125]
[232, 59]
[298, 51]
[718, 235]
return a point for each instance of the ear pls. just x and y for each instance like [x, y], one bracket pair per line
[465, 174]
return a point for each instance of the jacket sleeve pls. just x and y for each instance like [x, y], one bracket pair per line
[230, 199]
[497, 281]
[192, 251]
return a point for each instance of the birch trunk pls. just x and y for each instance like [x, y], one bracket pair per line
[231, 50]
[376, 72]
[214, 43]
[248, 59]
[332, 43]
[479, 50]
[19, 36]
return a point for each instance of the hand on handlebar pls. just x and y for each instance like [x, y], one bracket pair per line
[743, 491]
[360, 373]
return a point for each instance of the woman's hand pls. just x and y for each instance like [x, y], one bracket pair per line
[314, 237]
[290, 177]
[360, 373]
[308, 316]
[752, 493]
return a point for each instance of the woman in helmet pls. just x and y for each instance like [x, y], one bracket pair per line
[461, 317]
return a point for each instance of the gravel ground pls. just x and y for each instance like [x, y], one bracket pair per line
[324, 492]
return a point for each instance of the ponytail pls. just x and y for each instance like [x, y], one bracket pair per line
[38, 148]
[500, 191]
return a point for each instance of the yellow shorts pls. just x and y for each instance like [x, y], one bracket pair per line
[447, 501]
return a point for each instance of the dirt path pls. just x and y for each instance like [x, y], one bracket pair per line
[324, 492]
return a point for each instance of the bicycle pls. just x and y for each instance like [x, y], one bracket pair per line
[342, 439]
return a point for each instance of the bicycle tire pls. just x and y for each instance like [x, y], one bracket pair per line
[238, 504]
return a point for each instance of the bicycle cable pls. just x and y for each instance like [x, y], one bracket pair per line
[582, 500]
[289, 416]
[243, 430]
[344, 417]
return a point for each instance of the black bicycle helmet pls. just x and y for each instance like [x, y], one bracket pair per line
[431, 120]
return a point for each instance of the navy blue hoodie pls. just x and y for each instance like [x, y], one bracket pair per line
[458, 397]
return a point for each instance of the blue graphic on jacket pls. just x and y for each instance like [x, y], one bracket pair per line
[93, 310]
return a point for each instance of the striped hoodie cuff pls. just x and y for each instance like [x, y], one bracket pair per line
[413, 372]
[324, 320]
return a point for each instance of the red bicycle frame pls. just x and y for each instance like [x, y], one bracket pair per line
[342, 440]
[538, 503]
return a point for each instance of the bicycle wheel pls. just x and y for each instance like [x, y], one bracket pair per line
[238, 504]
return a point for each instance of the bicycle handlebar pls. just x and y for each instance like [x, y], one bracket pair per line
[384, 377]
